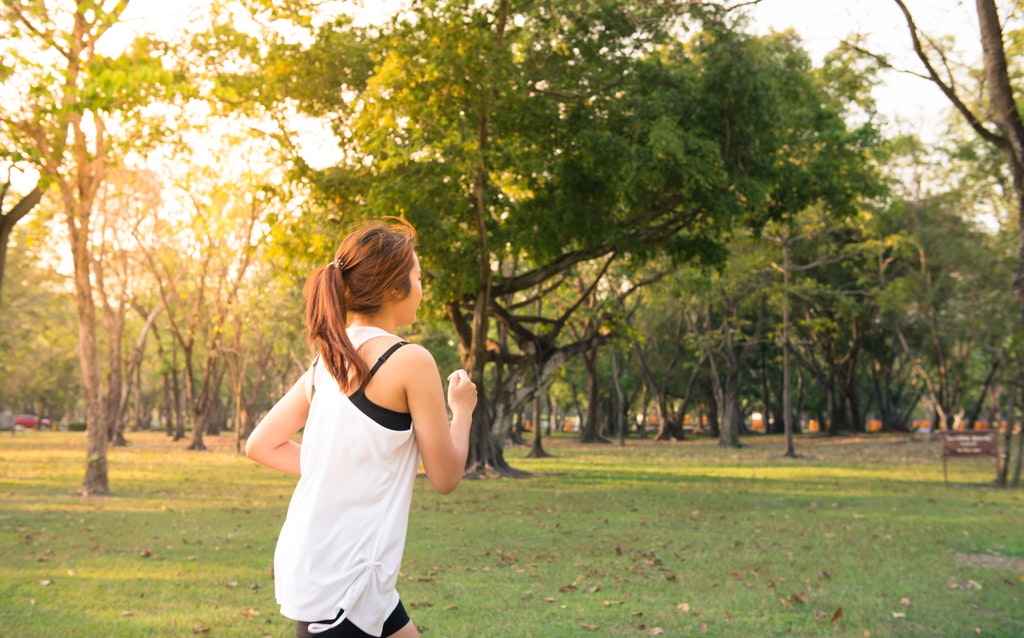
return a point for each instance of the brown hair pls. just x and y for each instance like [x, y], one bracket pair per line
[369, 266]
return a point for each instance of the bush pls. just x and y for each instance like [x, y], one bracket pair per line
[78, 426]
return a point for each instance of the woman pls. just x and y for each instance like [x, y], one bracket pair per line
[372, 407]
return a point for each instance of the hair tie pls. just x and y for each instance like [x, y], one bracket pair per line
[337, 263]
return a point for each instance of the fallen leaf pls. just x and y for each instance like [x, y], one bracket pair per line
[703, 628]
[655, 631]
[728, 616]
[250, 612]
[786, 603]
[836, 616]
[146, 553]
[683, 607]
[588, 626]
[898, 614]
[451, 607]
[46, 583]
[904, 601]
[200, 629]
[800, 598]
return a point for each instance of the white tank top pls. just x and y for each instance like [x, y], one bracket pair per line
[341, 544]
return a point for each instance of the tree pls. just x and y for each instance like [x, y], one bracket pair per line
[525, 141]
[120, 284]
[493, 128]
[807, 242]
[73, 102]
[663, 336]
[733, 327]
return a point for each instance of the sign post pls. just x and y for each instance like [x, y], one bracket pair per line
[969, 443]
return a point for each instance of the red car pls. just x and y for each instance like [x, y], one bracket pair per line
[31, 421]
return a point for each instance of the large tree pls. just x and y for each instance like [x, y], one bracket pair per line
[67, 106]
[527, 140]
[523, 141]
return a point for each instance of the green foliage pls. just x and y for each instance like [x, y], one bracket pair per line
[127, 81]
[526, 145]
[38, 330]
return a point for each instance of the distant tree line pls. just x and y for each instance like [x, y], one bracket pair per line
[628, 211]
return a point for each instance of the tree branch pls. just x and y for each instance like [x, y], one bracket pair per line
[947, 88]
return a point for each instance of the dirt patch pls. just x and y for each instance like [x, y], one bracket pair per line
[991, 560]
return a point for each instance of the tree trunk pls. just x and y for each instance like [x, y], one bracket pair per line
[620, 400]
[729, 429]
[537, 450]
[1020, 457]
[591, 420]
[96, 481]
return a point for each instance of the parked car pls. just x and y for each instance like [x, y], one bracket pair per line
[32, 421]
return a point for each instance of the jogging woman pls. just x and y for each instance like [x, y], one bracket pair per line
[373, 407]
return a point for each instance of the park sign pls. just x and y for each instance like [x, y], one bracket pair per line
[969, 443]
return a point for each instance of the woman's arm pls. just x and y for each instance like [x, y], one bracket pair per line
[271, 442]
[444, 447]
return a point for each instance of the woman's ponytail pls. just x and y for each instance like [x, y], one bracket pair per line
[327, 322]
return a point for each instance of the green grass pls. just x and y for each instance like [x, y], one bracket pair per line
[857, 537]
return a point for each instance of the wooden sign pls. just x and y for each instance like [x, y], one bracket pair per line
[969, 443]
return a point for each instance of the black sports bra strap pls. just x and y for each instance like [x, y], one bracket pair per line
[380, 361]
[384, 357]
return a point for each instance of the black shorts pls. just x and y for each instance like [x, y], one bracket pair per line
[399, 618]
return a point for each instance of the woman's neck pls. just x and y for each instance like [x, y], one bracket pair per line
[362, 321]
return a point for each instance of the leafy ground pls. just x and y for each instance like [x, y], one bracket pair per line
[858, 537]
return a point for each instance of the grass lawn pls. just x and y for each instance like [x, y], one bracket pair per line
[857, 537]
